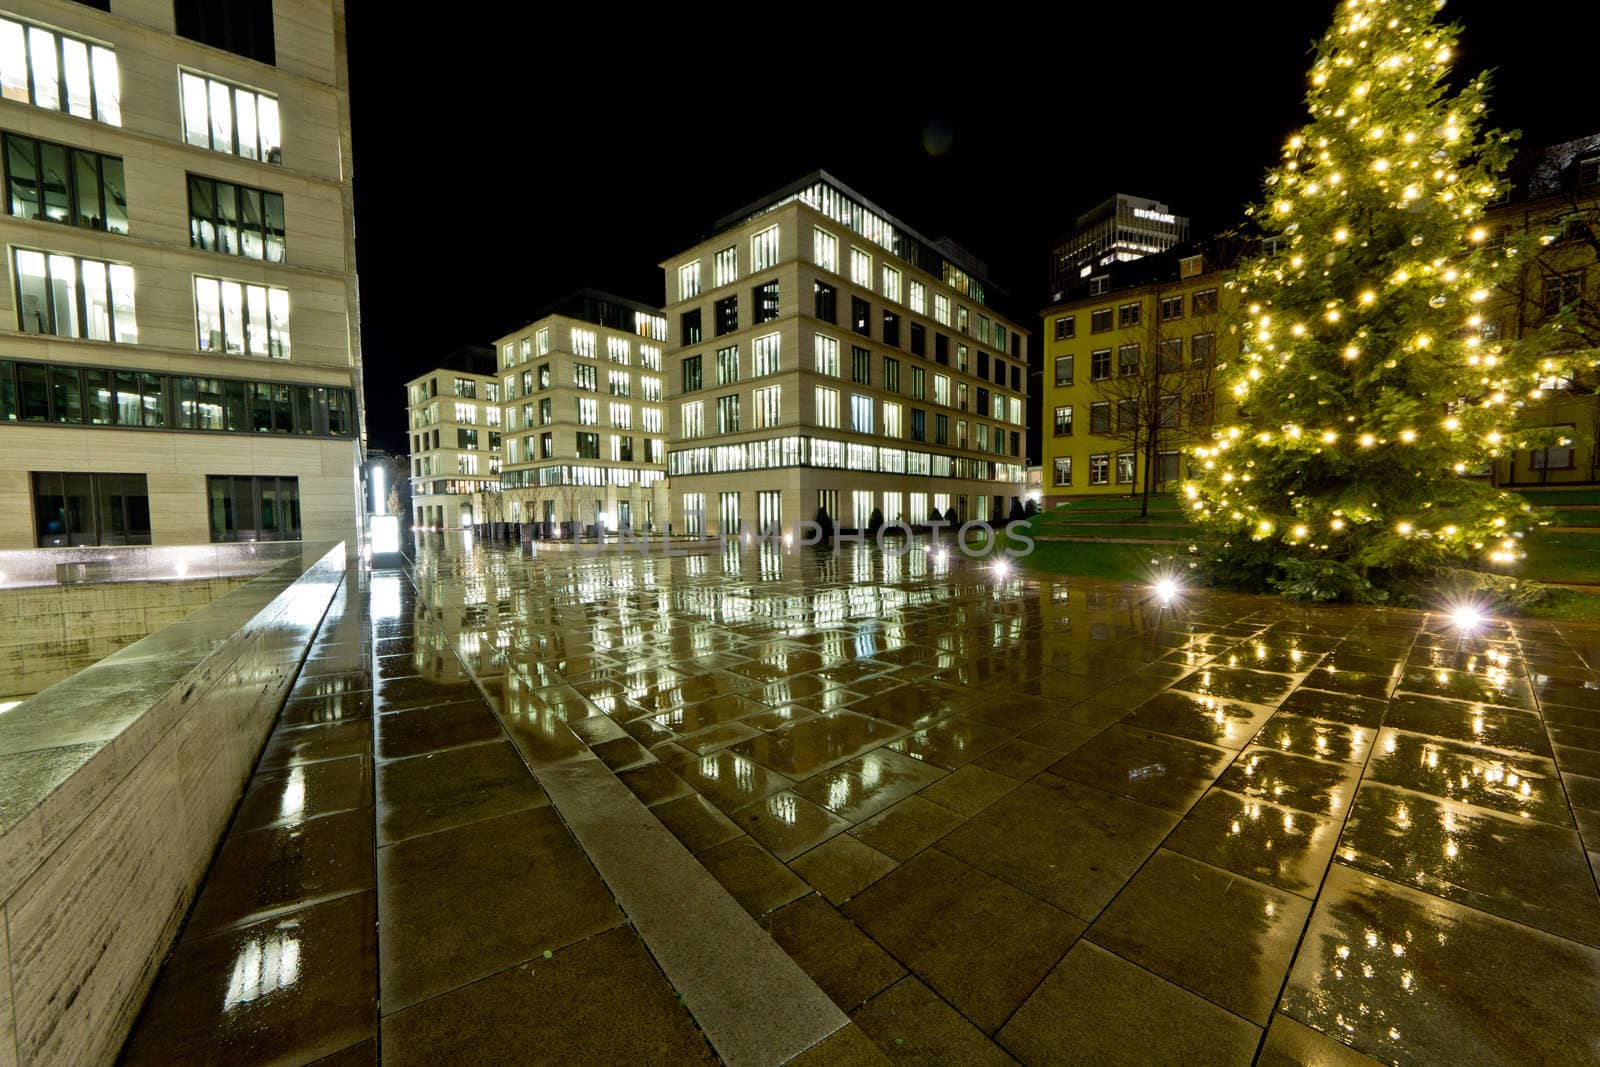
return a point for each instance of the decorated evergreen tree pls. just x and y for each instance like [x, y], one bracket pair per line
[1369, 400]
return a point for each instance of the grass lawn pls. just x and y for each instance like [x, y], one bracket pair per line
[1555, 498]
[1558, 557]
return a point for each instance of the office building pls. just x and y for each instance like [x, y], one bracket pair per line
[1137, 345]
[826, 355]
[453, 420]
[585, 427]
[1119, 229]
[182, 361]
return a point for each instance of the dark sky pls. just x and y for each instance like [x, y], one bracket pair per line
[501, 163]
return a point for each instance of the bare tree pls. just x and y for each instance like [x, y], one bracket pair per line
[1157, 390]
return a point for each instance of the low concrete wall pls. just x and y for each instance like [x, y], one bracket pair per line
[48, 633]
[115, 786]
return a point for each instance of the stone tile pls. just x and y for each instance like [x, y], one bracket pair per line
[398, 694]
[969, 790]
[729, 780]
[1280, 846]
[911, 1024]
[1316, 738]
[1022, 759]
[623, 753]
[981, 944]
[1215, 934]
[289, 797]
[1224, 723]
[722, 735]
[1477, 724]
[290, 748]
[816, 743]
[867, 784]
[459, 905]
[1157, 769]
[696, 822]
[323, 711]
[1521, 785]
[432, 792]
[1515, 868]
[906, 828]
[1407, 976]
[655, 783]
[264, 873]
[600, 1001]
[841, 867]
[1483, 686]
[411, 733]
[8, 1031]
[1335, 707]
[1098, 1009]
[291, 989]
[749, 873]
[1237, 683]
[952, 743]
[788, 824]
[1293, 1044]
[847, 964]
[1318, 787]
[1065, 843]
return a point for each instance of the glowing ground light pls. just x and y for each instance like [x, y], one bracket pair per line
[1466, 617]
[1167, 589]
[1002, 567]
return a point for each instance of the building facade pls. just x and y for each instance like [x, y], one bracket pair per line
[182, 359]
[454, 431]
[1116, 230]
[585, 415]
[1133, 360]
[826, 356]
[1554, 197]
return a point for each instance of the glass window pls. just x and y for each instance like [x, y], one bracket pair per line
[254, 509]
[228, 118]
[235, 318]
[57, 71]
[90, 509]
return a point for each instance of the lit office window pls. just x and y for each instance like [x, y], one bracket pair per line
[764, 355]
[941, 389]
[860, 413]
[228, 118]
[764, 249]
[891, 284]
[618, 382]
[825, 250]
[919, 300]
[689, 280]
[769, 405]
[827, 408]
[650, 420]
[891, 420]
[73, 297]
[617, 350]
[240, 221]
[622, 416]
[525, 346]
[542, 341]
[650, 357]
[860, 268]
[941, 309]
[725, 267]
[728, 413]
[650, 387]
[694, 419]
[58, 72]
[728, 365]
[583, 343]
[238, 319]
[588, 411]
[66, 185]
[827, 356]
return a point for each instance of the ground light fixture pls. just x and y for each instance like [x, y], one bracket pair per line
[1468, 618]
[1002, 567]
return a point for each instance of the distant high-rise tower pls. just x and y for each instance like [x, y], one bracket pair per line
[1120, 228]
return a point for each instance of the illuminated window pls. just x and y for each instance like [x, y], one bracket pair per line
[617, 350]
[860, 413]
[825, 250]
[941, 309]
[764, 249]
[691, 374]
[650, 387]
[860, 268]
[891, 284]
[58, 72]
[1125, 468]
[919, 302]
[588, 411]
[728, 365]
[891, 420]
[769, 406]
[728, 413]
[827, 356]
[827, 415]
[618, 382]
[1100, 468]
[1064, 421]
[585, 376]
[689, 280]
[650, 420]
[725, 267]
[764, 355]
[228, 118]
[941, 389]
[694, 419]
[73, 297]
[583, 343]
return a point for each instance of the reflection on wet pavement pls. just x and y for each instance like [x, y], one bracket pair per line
[992, 817]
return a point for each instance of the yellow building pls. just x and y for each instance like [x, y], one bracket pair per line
[1555, 195]
[1133, 359]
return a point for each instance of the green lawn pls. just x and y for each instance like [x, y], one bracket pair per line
[1561, 557]
[1568, 517]
[1555, 498]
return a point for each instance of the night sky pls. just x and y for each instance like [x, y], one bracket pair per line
[500, 164]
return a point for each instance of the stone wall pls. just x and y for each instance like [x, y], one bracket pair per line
[115, 786]
[50, 632]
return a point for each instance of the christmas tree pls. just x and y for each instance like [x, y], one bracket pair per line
[1369, 400]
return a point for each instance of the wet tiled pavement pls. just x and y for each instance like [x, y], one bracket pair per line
[991, 817]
